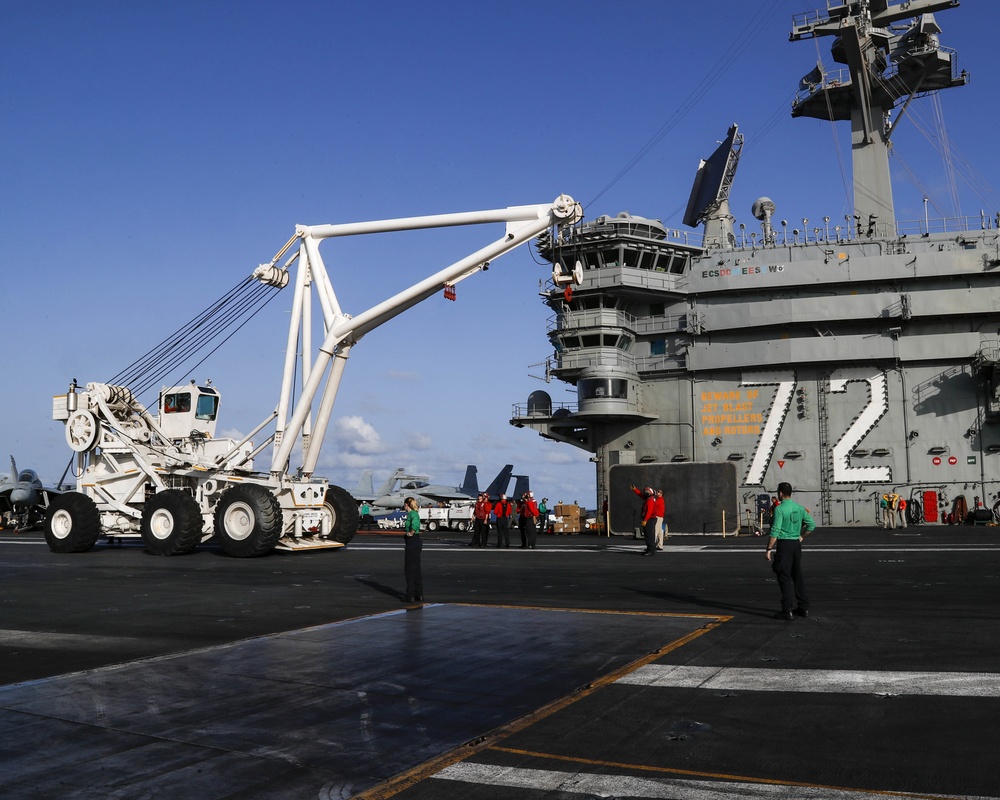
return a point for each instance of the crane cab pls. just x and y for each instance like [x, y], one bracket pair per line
[187, 410]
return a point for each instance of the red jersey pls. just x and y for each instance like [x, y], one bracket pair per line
[659, 506]
[483, 509]
[503, 508]
[648, 506]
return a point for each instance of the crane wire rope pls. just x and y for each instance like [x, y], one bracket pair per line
[207, 331]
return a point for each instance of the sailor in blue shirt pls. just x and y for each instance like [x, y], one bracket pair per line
[784, 551]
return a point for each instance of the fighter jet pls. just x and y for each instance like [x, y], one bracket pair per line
[23, 498]
[405, 484]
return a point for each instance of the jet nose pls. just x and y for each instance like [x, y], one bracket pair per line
[23, 496]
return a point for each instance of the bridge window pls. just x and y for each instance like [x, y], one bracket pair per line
[591, 388]
[678, 263]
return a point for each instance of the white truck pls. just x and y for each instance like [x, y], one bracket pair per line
[163, 476]
[456, 517]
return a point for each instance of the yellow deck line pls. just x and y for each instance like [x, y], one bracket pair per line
[716, 775]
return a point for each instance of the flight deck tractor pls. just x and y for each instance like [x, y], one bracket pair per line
[161, 473]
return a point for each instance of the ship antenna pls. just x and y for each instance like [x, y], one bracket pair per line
[871, 86]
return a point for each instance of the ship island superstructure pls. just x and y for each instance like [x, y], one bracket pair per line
[853, 357]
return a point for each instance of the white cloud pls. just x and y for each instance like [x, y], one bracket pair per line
[354, 436]
[419, 441]
[565, 455]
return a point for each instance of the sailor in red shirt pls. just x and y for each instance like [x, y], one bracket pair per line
[648, 519]
[481, 525]
[659, 511]
[528, 515]
[503, 511]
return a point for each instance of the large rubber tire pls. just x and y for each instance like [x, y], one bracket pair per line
[248, 521]
[344, 510]
[171, 523]
[432, 525]
[72, 523]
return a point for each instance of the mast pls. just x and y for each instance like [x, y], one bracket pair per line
[885, 62]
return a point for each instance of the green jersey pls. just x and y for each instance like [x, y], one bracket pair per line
[789, 517]
[412, 524]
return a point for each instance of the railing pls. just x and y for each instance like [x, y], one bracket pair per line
[591, 318]
[842, 77]
[948, 225]
[665, 323]
[521, 411]
[660, 363]
[636, 229]
[638, 278]
[853, 230]
[616, 228]
[586, 357]
[829, 80]
[809, 18]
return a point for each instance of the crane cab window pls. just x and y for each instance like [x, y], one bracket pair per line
[177, 402]
[208, 407]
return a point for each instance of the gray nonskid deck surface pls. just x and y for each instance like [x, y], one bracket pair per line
[299, 676]
[321, 712]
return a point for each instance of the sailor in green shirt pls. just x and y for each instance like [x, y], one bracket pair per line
[784, 551]
[412, 545]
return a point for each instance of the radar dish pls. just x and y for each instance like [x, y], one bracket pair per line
[714, 179]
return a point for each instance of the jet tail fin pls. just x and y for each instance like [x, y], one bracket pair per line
[470, 485]
[365, 486]
[521, 485]
[500, 482]
[390, 483]
[13, 469]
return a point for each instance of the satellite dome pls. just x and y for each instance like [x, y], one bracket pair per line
[539, 404]
[762, 207]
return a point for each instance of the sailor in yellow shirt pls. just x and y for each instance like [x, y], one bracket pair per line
[784, 551]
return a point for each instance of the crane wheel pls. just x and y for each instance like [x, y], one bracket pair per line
[171, 523]
[248, 521]
[343, 508]
[72, 523]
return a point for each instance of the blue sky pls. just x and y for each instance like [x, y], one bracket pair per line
[156, 153]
